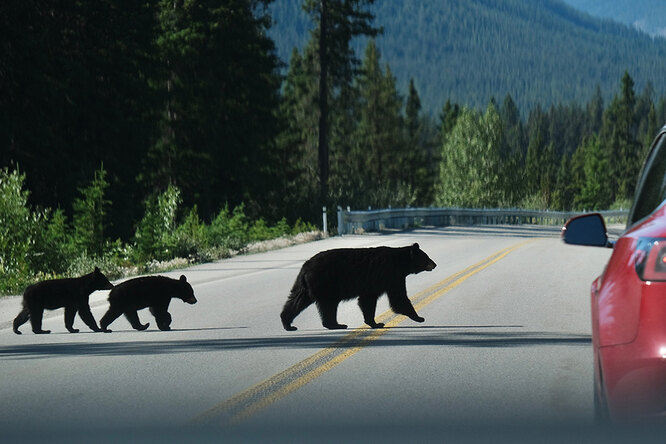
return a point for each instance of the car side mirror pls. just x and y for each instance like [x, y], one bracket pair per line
[587, 229]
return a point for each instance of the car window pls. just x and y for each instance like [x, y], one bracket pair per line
[651, 189]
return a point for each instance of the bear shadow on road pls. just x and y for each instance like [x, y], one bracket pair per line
[442, 336]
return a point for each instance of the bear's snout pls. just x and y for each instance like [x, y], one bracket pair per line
[191, 300]
[431, 266]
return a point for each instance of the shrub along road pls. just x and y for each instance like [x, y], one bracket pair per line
[506, 341]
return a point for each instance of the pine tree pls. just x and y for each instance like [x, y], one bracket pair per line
[595, 112]
[336, 23]
[577, 175]
[548, 173]
[418, 154]
[348, 184]
[594, 193]
[512, 127]
[563, 192]
[618, 135]
[651, 131]
[448, 118]
[387, 161]
[90, 215]
[533, 164]
[412, 110]
[296, 145]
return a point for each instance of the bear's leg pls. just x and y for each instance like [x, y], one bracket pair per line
[21, 319]
[36, 314]
[328, 310]
[70, 313]
[297, 301]
[368, 304]
[133, 319]
[401, 304]
[87, 317]
[111, 315]
[162, 317]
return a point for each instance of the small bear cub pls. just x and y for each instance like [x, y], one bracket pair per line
[71, 293]
[154, 292]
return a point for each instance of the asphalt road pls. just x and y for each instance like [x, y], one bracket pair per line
[505, 343]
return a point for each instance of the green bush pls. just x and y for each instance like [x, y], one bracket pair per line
[260, 231]
[281, 229]
[154, 234]
[36, 245]
[229, 229]
[191, 236]
[18, 225]
[116, 262]
[302, 227]
[54, 248]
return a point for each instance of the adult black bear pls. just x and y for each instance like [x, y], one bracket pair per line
[332, 276]
[71, 293]
[149, 291]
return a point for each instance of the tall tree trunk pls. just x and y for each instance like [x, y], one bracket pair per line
[323, 105]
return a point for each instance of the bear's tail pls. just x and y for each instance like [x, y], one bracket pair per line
[299, 299]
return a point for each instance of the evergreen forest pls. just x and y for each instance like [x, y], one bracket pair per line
[133, 132]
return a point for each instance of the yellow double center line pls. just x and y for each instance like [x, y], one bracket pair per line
[250, 401]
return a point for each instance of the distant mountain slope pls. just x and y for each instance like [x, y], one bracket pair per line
[541, 51]
[646, 15]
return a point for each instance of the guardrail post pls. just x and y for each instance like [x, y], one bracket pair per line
[323, 209]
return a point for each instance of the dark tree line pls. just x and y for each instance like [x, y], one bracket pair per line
[158, 92]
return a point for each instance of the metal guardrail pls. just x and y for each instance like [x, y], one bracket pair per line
[376, 220]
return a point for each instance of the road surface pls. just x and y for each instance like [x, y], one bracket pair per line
[505, 343]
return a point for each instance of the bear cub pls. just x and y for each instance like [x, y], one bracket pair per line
[155, 292]
[333, 276]
[71, 293]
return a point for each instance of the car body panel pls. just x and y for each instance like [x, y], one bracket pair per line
[616, 305]
[634, 374]
[629, 330]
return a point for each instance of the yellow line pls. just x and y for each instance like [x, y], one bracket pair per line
[299, 382]
[437, 291]
[276, 379]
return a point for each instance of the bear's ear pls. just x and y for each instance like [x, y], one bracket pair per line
[183, 278]
[415, 246]
[97, 270]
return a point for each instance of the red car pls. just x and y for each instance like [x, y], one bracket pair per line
[629, 300]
